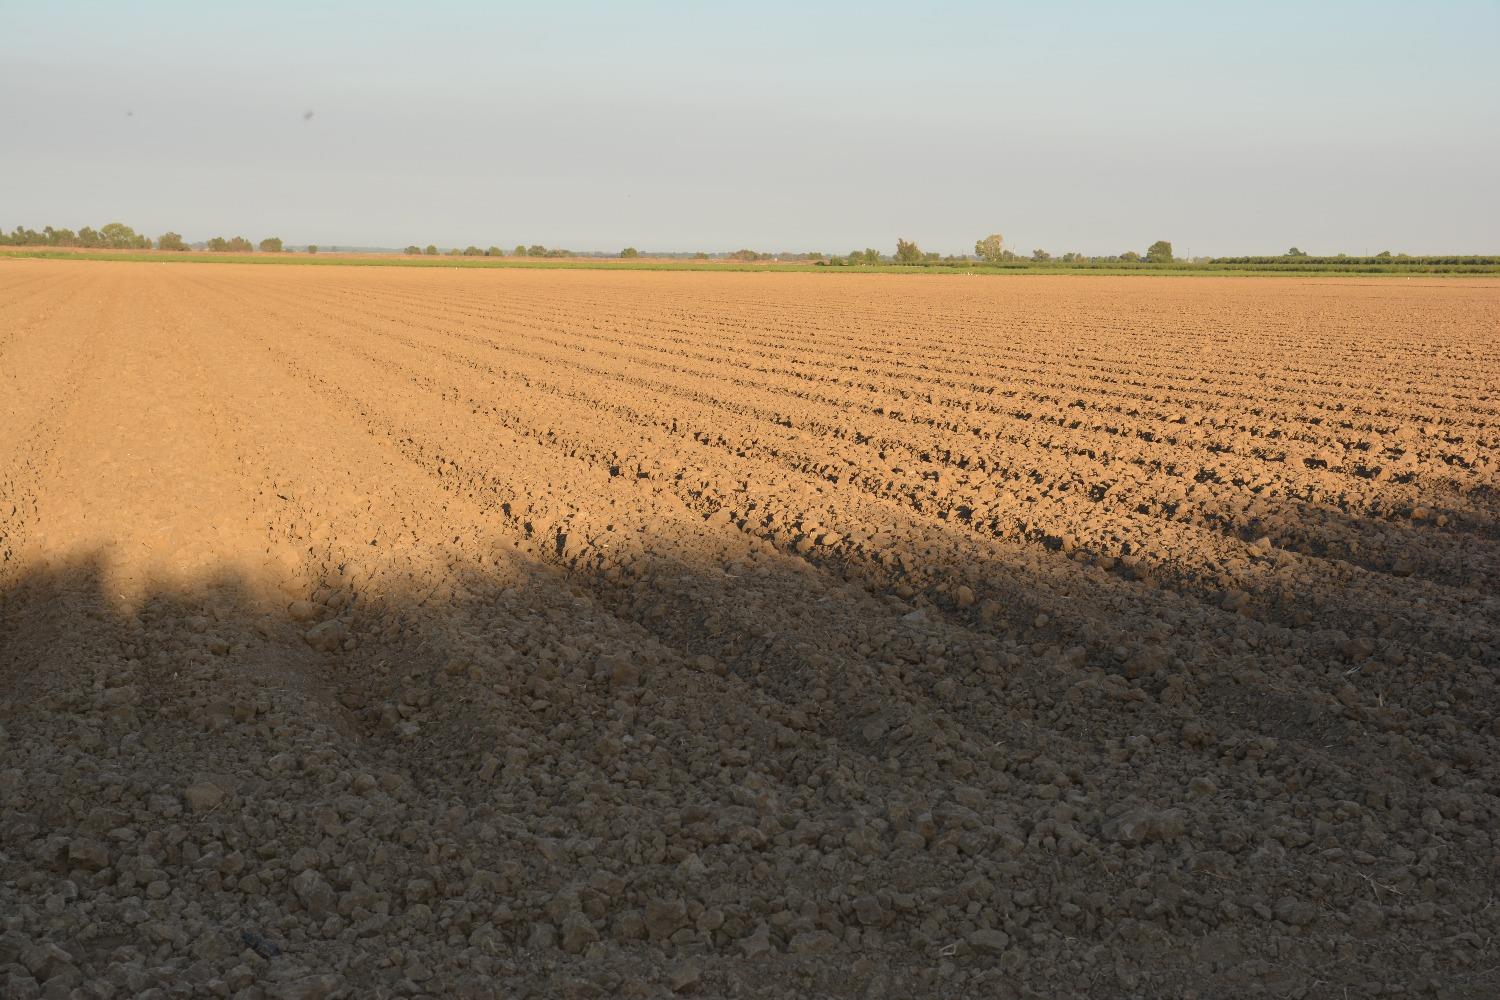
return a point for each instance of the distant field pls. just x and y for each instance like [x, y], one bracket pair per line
[1250, 265]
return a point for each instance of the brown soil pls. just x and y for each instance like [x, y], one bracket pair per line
[371, 632]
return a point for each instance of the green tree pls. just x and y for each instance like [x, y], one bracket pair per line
[312, 248]
[115, 235]
[907, 252]
[1040, 255]
[118, 236]
[1383, 254]
[170, 241]
[519, 251]
[630, 252]
[536, 250]
[1130, 257]
[700, 255]
[1074, 257]
[1294, 252]
[271, 244]
[412, 251]
[431, 250]
[1159, 252]
[473, 251]
[494, 252]
[990, 249]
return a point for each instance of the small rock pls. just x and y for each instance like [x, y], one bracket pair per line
[577, 933]
[315, 893]
[44, 960]
[685, 977]
[758, 942]
[327, 636]
[89, 854]
[664, 917]
[260, 945]
[543, 936]
[813, 943]
[282, 762]
[315, 987]
[12, 943]
[20, 986]
[989, 941]
[692, 869]
[867, 910]
[624, 672]
[1202, 787]
[1294, 911]
[1145, 824]
[1366, 917]
[203, 796]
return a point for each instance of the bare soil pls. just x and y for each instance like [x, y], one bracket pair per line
[402, 632]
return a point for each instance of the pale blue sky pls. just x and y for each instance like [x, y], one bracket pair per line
[1098, 127]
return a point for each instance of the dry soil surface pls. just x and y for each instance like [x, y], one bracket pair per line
[579, 633]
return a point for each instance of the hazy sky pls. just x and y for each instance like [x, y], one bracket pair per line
[1244, 127]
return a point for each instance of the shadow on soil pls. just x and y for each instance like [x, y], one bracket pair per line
[778, 776]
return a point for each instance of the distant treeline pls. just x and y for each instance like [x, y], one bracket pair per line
[989, 252]
[1399, 259]
[535, 250]
[118, 236]
[114, 236]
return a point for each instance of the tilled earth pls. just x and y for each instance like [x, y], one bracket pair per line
[396, 632]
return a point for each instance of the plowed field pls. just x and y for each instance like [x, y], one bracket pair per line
[372, 632]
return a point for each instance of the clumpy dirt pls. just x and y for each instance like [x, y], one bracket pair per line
[385, 632]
